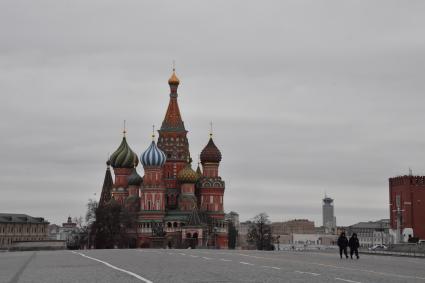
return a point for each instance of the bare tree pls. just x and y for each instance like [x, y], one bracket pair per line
[259, 232]
[232, 235]
[79, 221]
[92, 206]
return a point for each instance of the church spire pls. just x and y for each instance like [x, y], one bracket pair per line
[172, 139]
[105, 196]
[173, 121]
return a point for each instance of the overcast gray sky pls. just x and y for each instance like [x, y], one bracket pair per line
[305, 96]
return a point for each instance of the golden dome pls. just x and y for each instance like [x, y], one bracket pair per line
[187, 175]
[173, 80]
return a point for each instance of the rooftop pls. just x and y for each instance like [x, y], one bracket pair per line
[371, 224]
[20, 218]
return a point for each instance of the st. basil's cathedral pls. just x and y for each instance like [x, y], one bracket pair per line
[176, 206]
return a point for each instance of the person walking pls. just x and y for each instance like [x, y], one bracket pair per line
[354, 245]
[342, 244]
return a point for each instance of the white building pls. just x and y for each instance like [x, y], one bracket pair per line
[371, 233]
[64, 233]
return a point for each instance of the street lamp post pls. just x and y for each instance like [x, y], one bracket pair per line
[215, 237]
[382, 234]
[278, 242]
[88, 238]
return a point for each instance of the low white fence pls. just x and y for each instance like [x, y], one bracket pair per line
[38, 245]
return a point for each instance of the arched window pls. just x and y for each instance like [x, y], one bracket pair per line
[175, 224]
[169, 224]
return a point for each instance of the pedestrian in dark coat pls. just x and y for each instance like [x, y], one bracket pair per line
[354, 245]
[342, 244]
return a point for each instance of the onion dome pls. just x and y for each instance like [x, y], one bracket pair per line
[173, 80]
[187, 175]
[153, 156]
[124, 157]
[134, 178]
[210, 153]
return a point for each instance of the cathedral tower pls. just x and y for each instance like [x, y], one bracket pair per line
[108, 183]
[153, 190]
[211, 184]
[172, 139]
[123, 160]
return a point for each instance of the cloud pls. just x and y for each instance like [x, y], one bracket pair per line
[305, 98]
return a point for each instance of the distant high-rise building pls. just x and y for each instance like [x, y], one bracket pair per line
[329, 219]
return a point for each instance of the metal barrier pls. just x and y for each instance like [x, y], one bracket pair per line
[390, 253]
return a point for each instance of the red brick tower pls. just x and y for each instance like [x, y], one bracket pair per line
[211, 191]
[123, 160]
[211, 184]
[173, 141]
[153, 190]
[407, 206]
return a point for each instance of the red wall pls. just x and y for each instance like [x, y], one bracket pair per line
[412, 201]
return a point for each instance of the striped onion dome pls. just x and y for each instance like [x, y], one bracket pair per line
[153, 156]
[124, 157]
[134, 178]
[187, 175]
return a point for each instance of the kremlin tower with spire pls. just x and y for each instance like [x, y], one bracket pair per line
[176, 206]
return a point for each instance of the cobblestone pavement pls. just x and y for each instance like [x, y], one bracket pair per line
[204, 266]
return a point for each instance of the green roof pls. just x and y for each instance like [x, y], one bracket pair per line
[176, 217]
